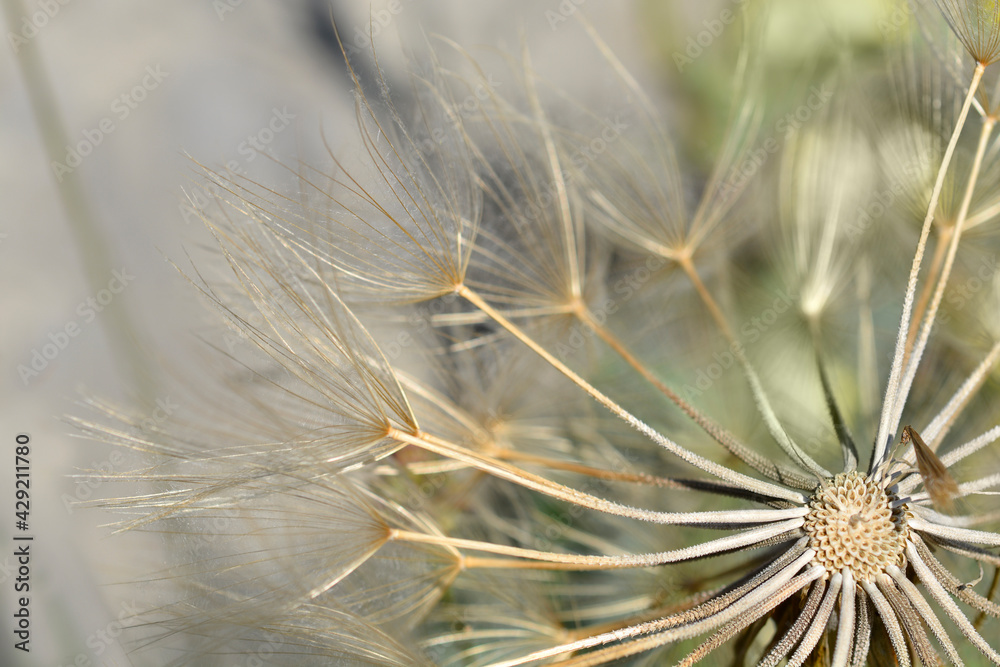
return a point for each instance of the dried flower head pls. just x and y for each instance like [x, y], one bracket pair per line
[475, 428]
[976, 23]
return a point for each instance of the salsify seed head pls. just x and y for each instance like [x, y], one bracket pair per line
[976, 23]
[852, 524]
[472, 431]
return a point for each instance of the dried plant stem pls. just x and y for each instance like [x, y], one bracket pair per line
[886, 425]
[940, 425]
[680, 607]
[845, 622]
[941, 596]
[704, 603]
[942, 283]
[691, 626]
[817, 627]
[994, 585]
[737, 625]
[777, 591]
[720, 471]
[760, 397]
[449, 465]
[614, 476]
[982, 216]
[971, 447]
[537, 483]
[756, 461]
[548, 560]
[933, 271]
[589, 471]
[919, 603]
[706, 297]
[848, 449]
[795, 629]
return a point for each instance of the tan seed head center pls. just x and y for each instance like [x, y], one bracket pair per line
[852, 525]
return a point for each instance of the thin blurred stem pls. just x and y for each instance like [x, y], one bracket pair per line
[848, 449]
[708, 466]
[942, 283]
[886, 429]
[760, 397]
[982, 216]
[708, 300]
[868, 386]
[756, 461]
[89, 238]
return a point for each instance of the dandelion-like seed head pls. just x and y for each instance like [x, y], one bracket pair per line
[852, 524]
[976, 23]
[465, 492]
